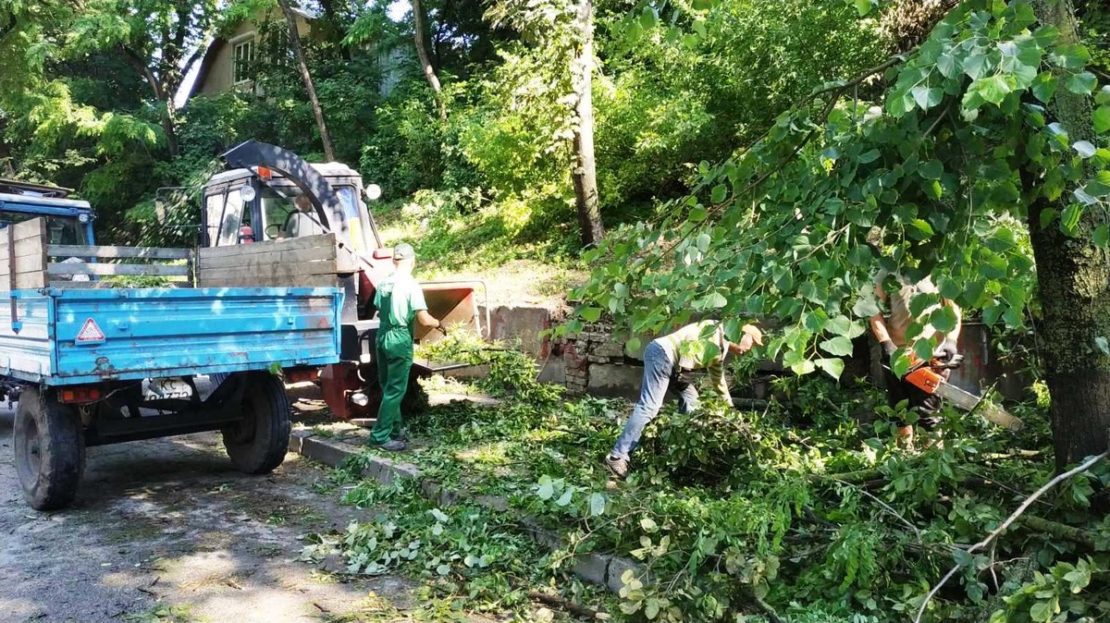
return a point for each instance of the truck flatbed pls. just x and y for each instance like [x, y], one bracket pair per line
[79, 336]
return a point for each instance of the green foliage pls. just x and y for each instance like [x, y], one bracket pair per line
[804, 506]
[936, 181]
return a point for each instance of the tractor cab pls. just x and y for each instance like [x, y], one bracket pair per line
[258, 204]
[68, 221]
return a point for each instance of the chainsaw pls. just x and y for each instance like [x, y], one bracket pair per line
[927, 376]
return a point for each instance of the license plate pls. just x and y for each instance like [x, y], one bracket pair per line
[163, 389]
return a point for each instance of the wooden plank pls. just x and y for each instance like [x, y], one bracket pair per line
[24, 264]
[277, 271]
[33, 228]
[306, 242]
[26, 281]
[230, 280]
[274, 256]
[109, 252]
[23, 248]
[84, 268]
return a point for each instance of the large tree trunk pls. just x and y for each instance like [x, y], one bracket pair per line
[585, 170]
[425, 61]
[1074, 280]
[302, 65]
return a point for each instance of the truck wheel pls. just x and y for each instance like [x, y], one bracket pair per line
[49, 450]
[257, 444]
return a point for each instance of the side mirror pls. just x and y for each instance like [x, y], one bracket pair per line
[373, 192]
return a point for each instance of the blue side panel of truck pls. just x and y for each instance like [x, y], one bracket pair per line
[75, 336]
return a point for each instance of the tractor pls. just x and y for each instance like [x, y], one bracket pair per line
[267, 193]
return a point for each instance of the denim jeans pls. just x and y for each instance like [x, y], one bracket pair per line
[659, 373]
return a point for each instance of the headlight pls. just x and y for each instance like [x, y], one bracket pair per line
[83, 217]
[247, 192]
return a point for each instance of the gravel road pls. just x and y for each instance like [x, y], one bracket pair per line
[167, 526]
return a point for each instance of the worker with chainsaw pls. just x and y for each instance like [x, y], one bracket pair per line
[667, 362]
[400, 303]
[890, 331]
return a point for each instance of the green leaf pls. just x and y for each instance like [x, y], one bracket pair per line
[720, 191]
[868, 156]
[839, 346]
[648, 525]
[863, 7]
[1081, 83]
[633, 344]
[1103, 96]
[1084, 148]
[1047, 216]
[715, 301]
[597, 504]
[1101, 236]
[926, 97]
[931, 170]
[943, 319]
[565, 498]
[803, 367]
[974, 64]
[590, 314]
[922, 226]
[1101, 119]
[1044, 86]
[1070, 218]
[832, 367]
[546, 489]
[947, 65]
[697, 214]
[993, 89]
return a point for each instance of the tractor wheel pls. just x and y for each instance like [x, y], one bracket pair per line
[257, 444]
[49, 450]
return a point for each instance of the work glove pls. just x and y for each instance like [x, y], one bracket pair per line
[946, 351]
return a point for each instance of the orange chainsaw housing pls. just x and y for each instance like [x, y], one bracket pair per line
[923, 376]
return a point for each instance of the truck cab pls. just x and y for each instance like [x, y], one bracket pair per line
[68, 221]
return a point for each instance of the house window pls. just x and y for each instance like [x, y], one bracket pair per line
[243, 55]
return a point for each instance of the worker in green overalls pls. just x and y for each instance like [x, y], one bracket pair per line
[400, 301]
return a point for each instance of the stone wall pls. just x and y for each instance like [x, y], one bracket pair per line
[596, 363]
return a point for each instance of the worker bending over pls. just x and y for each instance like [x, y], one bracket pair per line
[890, 331]
[400, 302]
[666, 361]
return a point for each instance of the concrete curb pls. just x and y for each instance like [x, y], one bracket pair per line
[600, 569]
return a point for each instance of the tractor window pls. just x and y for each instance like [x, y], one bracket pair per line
[276, 210]
[59, 229]
[229, 220]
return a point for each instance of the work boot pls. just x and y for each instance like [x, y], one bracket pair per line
[393, 445]
[617, 466]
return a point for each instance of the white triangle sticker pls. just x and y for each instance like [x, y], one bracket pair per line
[90, 333]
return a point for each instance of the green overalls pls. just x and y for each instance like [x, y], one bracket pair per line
[397, 301]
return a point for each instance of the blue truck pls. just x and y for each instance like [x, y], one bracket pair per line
[90, 364]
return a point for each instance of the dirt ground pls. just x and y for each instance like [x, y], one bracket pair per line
[166, 530]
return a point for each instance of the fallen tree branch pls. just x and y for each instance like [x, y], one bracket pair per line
[1009, 521]
[566, 604]
[1058, 530]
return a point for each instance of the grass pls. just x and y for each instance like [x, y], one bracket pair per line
[519, 265]
[165, 613]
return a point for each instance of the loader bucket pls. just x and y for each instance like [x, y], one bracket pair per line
[455, 304]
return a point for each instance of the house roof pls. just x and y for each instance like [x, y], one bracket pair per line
[217, 43]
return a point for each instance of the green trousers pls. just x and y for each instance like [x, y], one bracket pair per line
[394, 356]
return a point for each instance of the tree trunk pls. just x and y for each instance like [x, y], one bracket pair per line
[425, 61]
[302, 65]
[138, 63]
[1074, 280]
[584, 174]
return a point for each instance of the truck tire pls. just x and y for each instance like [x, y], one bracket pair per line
[49, 450]
[257, 444]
